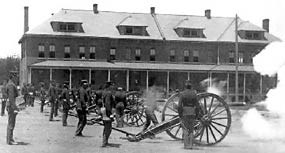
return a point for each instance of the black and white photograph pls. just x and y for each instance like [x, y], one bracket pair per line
[142, 76]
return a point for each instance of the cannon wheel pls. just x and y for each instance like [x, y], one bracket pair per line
[134, 111]
[213, 119]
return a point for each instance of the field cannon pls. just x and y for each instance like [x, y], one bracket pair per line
[213, 121]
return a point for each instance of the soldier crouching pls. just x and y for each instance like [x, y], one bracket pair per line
[120, 98]
[187, 103]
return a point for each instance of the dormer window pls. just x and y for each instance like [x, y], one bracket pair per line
[132, 26]
[188, 28]
[67, 26]
[252, 35]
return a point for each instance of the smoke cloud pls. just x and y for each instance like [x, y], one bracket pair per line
[217, 86]
[264, 124]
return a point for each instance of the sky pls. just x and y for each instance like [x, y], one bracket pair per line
[12, 13]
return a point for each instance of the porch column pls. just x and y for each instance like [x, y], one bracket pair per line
[109, 75]
[70, 78]
[244, 83]
[128, 80]
[228, 84]
[167, 84]
[147, 80]
[50, 74]
[89, 76]
[210, 79]
[188, 75]
[30, 75]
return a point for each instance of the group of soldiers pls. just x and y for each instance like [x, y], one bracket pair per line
[108, 101]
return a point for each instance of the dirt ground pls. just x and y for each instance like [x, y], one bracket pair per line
[35, 134]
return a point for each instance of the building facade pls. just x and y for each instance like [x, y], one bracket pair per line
[139, 50]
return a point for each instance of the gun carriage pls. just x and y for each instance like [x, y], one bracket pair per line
[213, 120]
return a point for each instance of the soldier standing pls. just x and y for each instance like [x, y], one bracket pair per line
[4, 97]
[42, 96]
[32, 94]
[65, 103]
[121, 100]
[12, 109]
[57, 101]
[81, 107]
[52, 98]
[186, 109]
[108, 105]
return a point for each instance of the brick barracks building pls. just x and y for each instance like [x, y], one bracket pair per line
[139, 50]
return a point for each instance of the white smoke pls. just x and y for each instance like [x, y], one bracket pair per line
[214, 86]
[270, 61]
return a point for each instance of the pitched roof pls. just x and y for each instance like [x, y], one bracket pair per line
[139, 66]
[159, 26]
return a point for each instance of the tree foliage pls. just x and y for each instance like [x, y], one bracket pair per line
[7, 65]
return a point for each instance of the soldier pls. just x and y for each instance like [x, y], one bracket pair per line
[98, 98]
[4, 97]
[32, 94]
[81, 107]
[42, 96]
[24, 92]
[88, 90]
[65, 103]
[52, 98]
[57, 101]
[12, 109]
[108, 106]
[121, 100]
[186, 109]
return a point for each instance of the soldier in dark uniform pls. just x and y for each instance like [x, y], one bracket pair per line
[81, 107]
[88, 90]
[57, 102]
[98, 98]
[52, 98]
[12, 109]
[186, 109]
[24, 92]
[4, 97]
[32, 93]
[121, 100]
[65, 103]
[107, 113]
[42, 96]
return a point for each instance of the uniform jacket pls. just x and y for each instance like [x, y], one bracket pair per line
[188, 98]
[83, 99]
[66, 98]
[52, 93]
[12, 93]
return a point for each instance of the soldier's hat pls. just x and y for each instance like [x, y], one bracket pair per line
[120, 88]
[84, 82]
[188, 83]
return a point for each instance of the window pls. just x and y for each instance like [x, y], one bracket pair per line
[67, 27]
[138, 54]
[92, 52]
[240, 57]
[152, 55]
[192, 33]
[195, 56]
[81, 52]
[66, 51]
[186, 55]
[113, 54]
[172, 56]
[253, 35]
[51, 51]
[129, 30]
[231, 57]
[41, 49]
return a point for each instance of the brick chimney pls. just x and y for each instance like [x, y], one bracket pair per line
[265, 24]
[152, 10]
[208, 13]
[95, 8]
[26, 19]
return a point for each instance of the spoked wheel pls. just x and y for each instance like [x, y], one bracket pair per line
[213, 119]
[134, 111]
